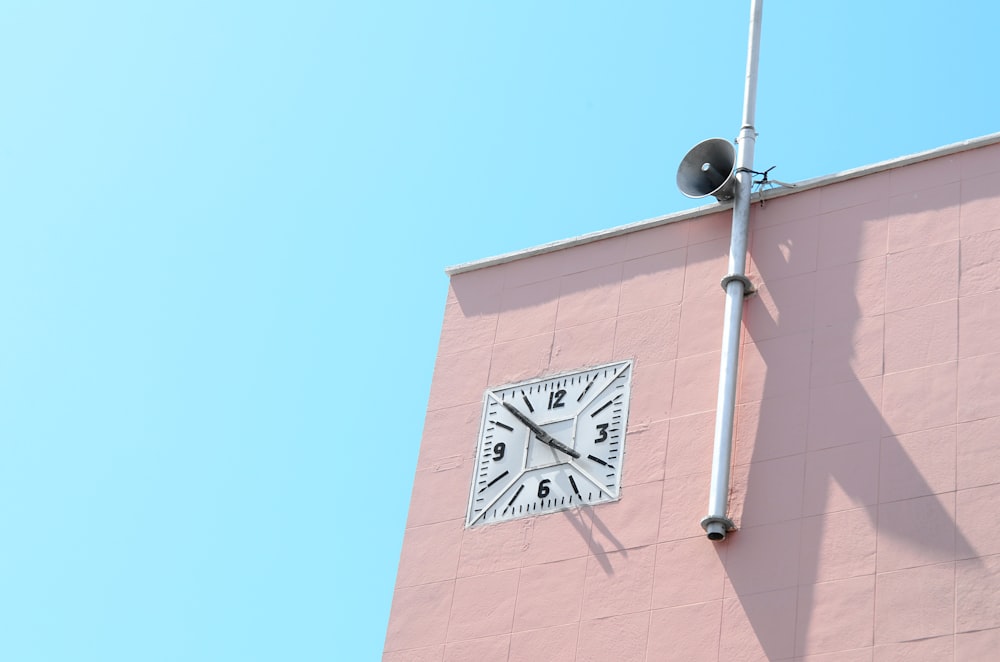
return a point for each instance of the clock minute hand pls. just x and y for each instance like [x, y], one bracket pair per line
[540, 433]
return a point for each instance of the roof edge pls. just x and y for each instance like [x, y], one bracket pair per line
[805, 185]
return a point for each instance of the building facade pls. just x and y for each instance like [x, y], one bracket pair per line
[866, 475]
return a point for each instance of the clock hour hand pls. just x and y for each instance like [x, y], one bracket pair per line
[540, 433]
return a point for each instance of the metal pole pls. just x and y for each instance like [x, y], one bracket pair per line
[736, 284]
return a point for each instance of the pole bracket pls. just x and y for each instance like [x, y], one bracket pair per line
[748, 287]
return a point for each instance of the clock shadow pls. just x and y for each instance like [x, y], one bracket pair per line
[598, 552]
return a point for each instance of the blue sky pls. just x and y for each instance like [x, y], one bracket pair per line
[223, 229]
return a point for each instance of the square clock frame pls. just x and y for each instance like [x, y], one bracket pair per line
[551, 443]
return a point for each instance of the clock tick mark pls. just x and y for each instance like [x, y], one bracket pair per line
[598, 460]
[516, 494]
[602, 408]
[492, 482]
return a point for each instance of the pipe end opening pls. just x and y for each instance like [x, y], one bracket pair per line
[716, 532]
[717, 527]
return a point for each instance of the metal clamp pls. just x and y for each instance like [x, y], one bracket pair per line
[748, 287]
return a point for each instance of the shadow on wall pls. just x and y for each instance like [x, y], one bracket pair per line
[832, 497]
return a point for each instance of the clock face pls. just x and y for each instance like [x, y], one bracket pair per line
[550, 444]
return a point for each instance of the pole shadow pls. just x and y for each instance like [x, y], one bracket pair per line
[830, 497]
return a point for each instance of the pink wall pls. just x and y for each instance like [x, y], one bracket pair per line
[867, 479]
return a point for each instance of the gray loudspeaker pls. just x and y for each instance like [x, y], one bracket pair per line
[708, 170]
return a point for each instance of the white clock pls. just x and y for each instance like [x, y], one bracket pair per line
[551, 443]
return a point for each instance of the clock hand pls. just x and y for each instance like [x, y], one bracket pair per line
[540, 433]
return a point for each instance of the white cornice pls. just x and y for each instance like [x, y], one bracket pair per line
[805, 185]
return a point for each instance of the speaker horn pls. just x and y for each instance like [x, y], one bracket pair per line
[707, 169]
